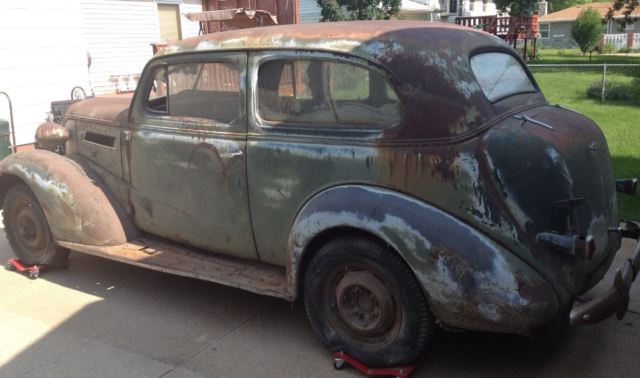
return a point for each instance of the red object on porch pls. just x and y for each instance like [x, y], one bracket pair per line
[284, 10]
[511, 29]
[340, 358]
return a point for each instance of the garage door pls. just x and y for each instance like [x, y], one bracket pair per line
[169, 17]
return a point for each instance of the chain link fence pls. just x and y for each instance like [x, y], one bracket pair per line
[604, 82]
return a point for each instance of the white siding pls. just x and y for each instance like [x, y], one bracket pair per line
[189, 28]
[118, 35]
[309, 11]
[42, 57]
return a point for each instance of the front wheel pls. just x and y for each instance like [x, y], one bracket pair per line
[27, 229]
[362, 299]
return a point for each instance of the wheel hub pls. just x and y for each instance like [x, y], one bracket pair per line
[30, 228]
[365, 304]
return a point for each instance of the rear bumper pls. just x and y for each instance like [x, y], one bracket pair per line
[616, 299]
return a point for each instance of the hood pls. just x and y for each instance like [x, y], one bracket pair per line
[109, 108]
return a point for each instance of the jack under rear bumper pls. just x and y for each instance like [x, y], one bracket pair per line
[616, 299]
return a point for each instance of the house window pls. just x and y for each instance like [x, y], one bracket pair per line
[169, 22]
[630, 27]
[453, 6]
[544, 30]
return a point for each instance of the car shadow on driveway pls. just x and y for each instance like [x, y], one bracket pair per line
[103, 318]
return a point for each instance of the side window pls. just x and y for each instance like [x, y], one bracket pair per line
[207, 91]
[325, 93]
[157, 101]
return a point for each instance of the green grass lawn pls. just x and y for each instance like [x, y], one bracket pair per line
[574, 56]
[620, 123]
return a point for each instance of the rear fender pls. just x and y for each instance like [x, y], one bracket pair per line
[470, 281]
[77, 209]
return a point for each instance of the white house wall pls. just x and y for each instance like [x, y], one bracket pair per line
[189, 28]
[44, 45]
[42, 57]
[309, 11]
[118, 35]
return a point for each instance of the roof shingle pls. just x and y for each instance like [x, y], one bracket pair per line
[570, 14]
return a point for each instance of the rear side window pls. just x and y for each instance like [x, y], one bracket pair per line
[500, 75]
[325, 93]
[208, 91]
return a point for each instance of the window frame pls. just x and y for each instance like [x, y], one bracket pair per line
[141, 113]
[258, 58]
[548, 30]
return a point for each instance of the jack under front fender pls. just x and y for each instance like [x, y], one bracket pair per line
[76, 208]
[470, 281]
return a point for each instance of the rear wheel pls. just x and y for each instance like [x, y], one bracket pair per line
[27, 229]
[362, 299]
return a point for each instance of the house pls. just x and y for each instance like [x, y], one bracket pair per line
[555, 28]
[450, 9]
[46, 45]
[427, 10]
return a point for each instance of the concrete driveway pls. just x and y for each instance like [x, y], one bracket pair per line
[106, 319]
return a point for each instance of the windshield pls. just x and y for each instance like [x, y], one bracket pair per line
[500, 75]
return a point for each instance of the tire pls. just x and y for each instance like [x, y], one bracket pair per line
[27, 229]
[362, 299]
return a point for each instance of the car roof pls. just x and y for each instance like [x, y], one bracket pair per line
[429, 61]
[356, 37]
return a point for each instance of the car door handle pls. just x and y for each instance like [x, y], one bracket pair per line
[93, 153]
[228, 155]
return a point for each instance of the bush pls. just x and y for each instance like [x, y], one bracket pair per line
[608, 48]
[625, 50]
[614, 91]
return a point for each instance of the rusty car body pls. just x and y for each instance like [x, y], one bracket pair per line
[398, 173]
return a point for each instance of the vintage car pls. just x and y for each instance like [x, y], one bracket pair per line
[395, 175]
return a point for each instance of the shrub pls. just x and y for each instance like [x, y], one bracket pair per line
[594, 90]
[608, 48]
[625, 50]
[614, 91]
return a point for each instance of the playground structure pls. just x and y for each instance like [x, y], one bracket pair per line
[510, 28]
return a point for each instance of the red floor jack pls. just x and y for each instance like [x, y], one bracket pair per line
[33, 270]
[340, 358]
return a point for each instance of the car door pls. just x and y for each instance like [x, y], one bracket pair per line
[316, 119]
[187, 152]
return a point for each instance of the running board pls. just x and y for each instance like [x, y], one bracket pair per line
[190, 262]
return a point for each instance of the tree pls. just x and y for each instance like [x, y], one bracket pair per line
[517, 7]
[627, 7]
[587, 29]
[339, 10]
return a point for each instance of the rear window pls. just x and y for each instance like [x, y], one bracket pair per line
[500, 75]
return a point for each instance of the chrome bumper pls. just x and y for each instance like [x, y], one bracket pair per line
[616, 299]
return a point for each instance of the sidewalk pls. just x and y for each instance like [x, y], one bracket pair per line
[105, 319]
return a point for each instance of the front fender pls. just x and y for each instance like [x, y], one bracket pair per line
[76, 208]
[471, 282]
